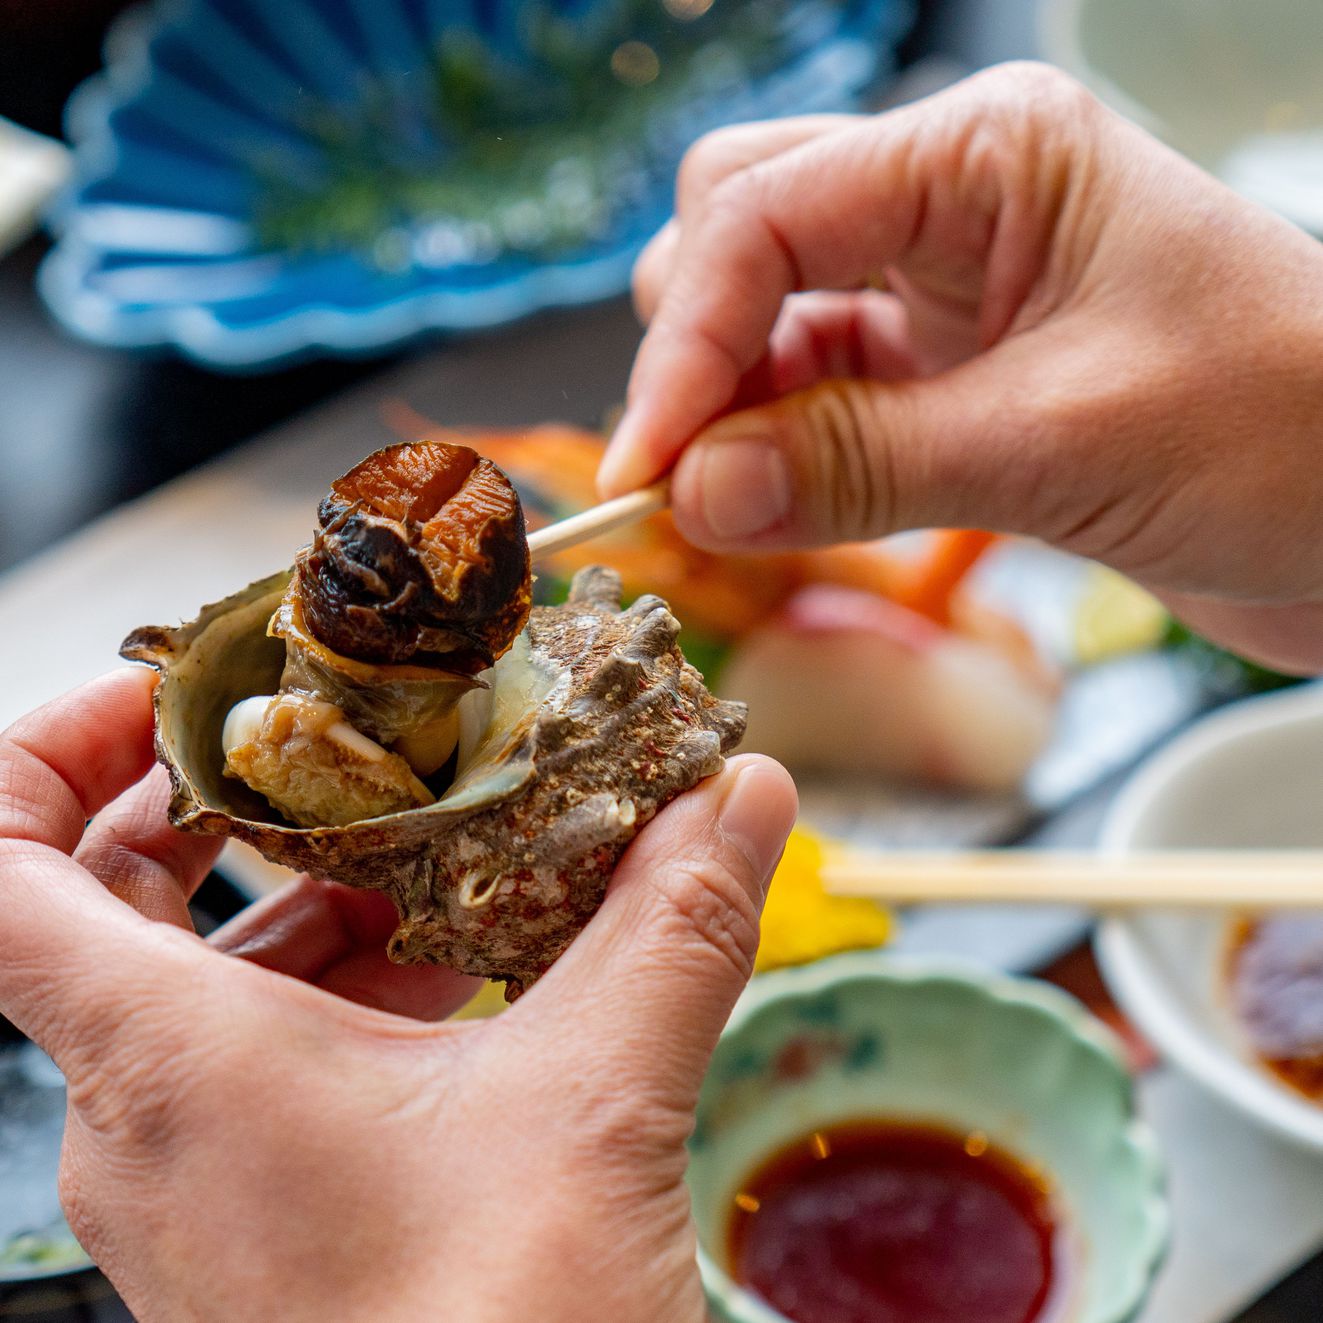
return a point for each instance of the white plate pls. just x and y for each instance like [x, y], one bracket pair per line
[1251, 775]
[1233, 85]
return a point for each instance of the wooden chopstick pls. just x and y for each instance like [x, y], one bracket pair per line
[1257, 879]
[604, 518]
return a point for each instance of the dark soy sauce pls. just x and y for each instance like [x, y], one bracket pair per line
[874, 1222]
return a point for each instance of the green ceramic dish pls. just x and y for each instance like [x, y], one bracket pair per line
[923, 1040]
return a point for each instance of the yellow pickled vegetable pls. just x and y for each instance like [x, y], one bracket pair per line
[490, 1000]
[802, 922]
[1115, 617]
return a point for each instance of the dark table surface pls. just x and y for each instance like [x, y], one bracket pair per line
[83, 429]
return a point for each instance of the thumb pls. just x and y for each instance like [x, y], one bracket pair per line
[647, 987]
[848, 460]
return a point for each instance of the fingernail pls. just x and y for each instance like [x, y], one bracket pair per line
[756, 817]
[743, 487]
[608, 483]
[616, 473]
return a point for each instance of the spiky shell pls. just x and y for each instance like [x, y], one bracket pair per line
[594, 721]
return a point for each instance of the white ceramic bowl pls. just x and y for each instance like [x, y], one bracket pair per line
[1251, 775]
[1231, 83]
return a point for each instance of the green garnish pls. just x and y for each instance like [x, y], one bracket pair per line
[1223, 670]
[53, 1249]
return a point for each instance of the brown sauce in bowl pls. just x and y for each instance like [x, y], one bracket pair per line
[1276, 982]
[875, 1222]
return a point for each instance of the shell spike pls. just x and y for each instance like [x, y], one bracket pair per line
[595, 585]
[656, 635]
[619, 678]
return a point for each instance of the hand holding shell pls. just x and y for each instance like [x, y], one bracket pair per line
[588, 722]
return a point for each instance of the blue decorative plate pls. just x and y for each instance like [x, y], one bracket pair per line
[261, 179]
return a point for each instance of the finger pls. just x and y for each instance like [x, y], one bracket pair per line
[725, 151]
[834, 213]
[653, 268]
[649, 983]
[131, 848]
[1284, 638]
[708, 163]
[64, 762]
[851, 460]
[820, 335]
[334, 936]
[69, 950]
[737, 264]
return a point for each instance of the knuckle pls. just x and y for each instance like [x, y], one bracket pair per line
[731, 200]
[131, 1097]
[1035, 87]
[738, 225]
[651, 272]
[29, 787]
[126, 871]
[707, 899]
[1023, 113]
[705, 164]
